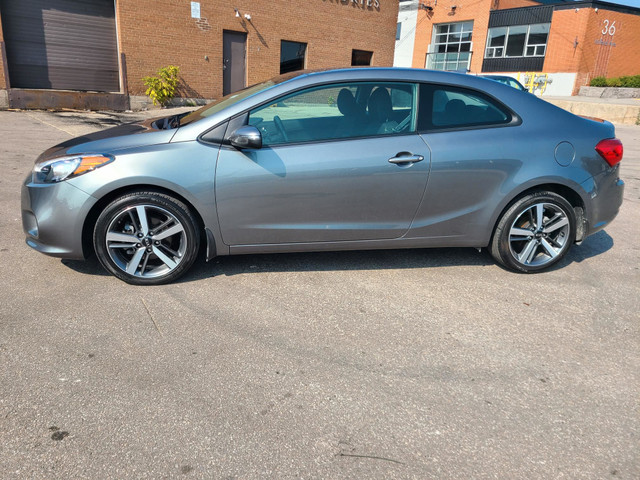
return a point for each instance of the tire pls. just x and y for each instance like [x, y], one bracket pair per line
[146, 238]
[534, 233]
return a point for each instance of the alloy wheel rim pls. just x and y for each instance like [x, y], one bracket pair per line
[146, 241]
[539, 234]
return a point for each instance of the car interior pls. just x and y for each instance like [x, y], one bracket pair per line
[454, 109]
[358, 110]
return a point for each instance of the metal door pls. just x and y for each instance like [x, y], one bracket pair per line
[234, 53]
[61, 44]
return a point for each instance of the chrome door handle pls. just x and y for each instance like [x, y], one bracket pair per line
[406, 159]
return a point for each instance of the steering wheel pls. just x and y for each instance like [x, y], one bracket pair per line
[280, 127]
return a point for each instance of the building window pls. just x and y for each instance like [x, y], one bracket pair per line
[398, 30]
[361, 57]
[496, 42]
[537, 40]
[517, 41]
[292, 56]
[450, 47]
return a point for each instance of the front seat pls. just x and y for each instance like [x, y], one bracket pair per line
[354, 117]
[381, 111]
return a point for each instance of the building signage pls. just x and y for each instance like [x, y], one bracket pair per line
[608, 28]
[360, 3]
[369, 3]
[605, 43]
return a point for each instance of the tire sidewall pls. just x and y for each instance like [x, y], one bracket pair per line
[175, 207]
[501, 245]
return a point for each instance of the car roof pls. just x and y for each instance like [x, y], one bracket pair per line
[288, 82]
[379, 73]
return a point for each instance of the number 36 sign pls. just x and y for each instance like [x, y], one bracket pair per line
[609, 27]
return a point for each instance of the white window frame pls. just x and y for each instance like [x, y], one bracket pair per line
[539, 49]
[433, 60]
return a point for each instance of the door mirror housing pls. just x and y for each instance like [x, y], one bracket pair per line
[246, 137]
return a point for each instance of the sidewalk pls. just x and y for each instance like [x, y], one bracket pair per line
[624, 111]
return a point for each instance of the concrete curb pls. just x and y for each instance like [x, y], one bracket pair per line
[624, 114]
[610, 92]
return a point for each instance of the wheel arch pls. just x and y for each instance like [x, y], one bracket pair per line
[571, 194]
[91, 218]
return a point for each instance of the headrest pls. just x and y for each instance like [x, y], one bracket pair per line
[380, 108]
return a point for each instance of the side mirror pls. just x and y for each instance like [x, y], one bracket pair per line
[246, 137]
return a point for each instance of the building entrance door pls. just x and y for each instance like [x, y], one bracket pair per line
[234, 54]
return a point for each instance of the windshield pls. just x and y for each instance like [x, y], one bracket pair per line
[224, 102]
[228, 100]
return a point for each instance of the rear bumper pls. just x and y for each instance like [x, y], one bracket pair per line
[53, 217]
[605, 192]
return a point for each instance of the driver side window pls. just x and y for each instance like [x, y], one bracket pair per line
[339, 111]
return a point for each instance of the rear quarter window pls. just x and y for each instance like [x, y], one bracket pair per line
[446, 107]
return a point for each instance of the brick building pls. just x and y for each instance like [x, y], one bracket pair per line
[54, 50]
[561, 44]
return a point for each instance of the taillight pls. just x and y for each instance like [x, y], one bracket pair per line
[611, 150]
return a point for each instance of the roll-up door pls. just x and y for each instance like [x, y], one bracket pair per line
[61, 44]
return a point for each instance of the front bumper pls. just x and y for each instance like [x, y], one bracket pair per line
[53, 217]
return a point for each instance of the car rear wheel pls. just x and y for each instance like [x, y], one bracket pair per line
[146, 238]
[534, 233]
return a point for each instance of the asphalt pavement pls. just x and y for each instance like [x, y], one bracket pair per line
[392, 364]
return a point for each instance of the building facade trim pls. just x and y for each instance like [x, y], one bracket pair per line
[596, 4]
[520, 16]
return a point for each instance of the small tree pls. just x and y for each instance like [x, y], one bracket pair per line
[162, 87]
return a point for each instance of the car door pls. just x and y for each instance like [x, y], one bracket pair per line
[339, 162]
[477, 153]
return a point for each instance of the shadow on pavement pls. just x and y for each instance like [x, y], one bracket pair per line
[91, 266]
[592, 246]
[351, 260]
[315, 261]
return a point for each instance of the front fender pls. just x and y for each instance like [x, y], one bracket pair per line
[184, 169]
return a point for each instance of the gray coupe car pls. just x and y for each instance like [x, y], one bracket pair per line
[343, 159]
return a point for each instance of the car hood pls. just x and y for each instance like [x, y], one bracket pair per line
[136, 134]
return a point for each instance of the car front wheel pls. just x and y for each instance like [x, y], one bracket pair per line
[534, 233]
[146, 238]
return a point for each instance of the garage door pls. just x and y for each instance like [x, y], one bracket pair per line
[61, 44]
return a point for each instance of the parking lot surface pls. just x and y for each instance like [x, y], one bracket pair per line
[392, 364]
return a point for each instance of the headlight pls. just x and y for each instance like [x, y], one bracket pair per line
[62, 168]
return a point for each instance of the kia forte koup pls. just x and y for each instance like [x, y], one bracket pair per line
[346, 159]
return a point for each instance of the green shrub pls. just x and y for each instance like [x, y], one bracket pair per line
[631, 81]
[162, 87]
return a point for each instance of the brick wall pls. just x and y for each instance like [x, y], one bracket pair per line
[567, 28]
[577, 44]
[612, 55]
[506, 4]
[477, 11]
[156, 33]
